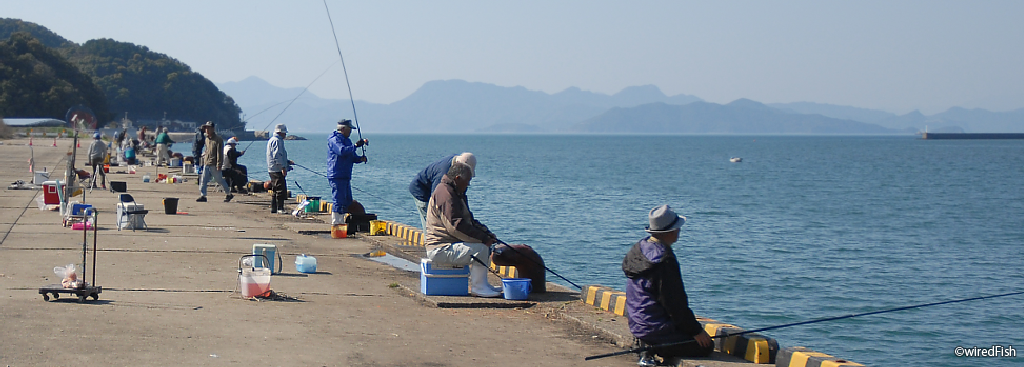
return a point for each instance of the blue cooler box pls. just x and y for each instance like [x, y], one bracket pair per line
[443, 279]
[79, 209]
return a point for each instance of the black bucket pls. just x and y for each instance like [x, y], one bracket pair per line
[170, 205]
[118, 186]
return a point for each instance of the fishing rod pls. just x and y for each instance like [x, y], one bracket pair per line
[650, 347]
[535, 262]
[300, 187]
[355, 118]
[290, 102]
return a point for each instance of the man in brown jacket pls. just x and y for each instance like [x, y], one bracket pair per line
[213, 162]
[453, 236]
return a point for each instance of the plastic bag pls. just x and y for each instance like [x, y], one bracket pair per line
[68, 273]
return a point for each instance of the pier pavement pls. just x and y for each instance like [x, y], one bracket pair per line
[170, 297]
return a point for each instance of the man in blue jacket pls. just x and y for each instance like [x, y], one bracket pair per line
[426, 181]
[657, 308]
[341, 155]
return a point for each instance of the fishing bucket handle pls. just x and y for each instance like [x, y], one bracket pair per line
[265, 261]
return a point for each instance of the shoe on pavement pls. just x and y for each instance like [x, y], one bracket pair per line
[201, 199]
[228, 198]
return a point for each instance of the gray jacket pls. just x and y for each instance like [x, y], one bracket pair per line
[277, 157]
[97, 150]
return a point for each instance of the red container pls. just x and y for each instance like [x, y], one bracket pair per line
[50, 194]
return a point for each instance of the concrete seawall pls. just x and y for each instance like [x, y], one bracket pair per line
[170, 291]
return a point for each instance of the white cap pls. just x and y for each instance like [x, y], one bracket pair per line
[467, 158]
[280, 128]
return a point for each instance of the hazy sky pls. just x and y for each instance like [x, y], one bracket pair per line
[892, 55]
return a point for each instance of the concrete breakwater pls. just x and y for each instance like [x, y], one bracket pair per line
[970, 136]
[170, 292]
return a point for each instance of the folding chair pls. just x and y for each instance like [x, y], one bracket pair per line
[130, 213]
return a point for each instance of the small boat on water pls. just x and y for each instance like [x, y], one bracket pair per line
[735, 159]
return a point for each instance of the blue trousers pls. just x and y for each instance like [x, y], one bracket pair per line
[341, 189]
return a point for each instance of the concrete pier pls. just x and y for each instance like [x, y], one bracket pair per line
[170, 292]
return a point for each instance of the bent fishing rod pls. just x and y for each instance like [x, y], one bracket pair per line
[355, 118]
[815, 321]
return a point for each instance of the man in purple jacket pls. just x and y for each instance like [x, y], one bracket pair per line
[656, 305]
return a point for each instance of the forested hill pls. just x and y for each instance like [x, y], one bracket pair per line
[146, 84]
[39, 82]
[132, 78]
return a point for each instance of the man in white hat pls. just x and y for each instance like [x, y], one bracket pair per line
[212, 162]
[657, 308]
[341, 155]
[427, 180]
[278, 166]
[235, 174]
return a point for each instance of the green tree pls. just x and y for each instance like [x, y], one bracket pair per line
[146, 84]
[132, 79]
[36, 81]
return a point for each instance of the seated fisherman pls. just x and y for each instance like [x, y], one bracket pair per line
[656, 305]
[453, 236]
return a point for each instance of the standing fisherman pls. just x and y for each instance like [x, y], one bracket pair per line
[278, 166]
[97, 154]
[163, 141]
[427, 180]
[213, 161]
[341, 155]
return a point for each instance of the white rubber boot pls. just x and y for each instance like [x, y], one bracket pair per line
[478, 282]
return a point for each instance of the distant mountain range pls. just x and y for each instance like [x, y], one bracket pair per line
[456, 106]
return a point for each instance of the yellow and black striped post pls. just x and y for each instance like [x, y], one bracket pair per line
[606, 298]
[803, 357]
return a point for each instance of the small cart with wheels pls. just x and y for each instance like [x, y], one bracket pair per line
[84, 290]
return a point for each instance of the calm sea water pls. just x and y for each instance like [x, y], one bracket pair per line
[805, 227]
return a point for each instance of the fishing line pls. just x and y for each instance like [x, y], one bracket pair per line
[535, 262]
[290, 102]
[650, 347]
[343, 68]
[396, 206]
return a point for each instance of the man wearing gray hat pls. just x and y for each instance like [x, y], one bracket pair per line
[341, 155]
[278, 166]
[657, 308]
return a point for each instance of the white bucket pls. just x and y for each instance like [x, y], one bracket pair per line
[255, 282]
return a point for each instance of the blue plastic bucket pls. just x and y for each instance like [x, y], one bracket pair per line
[305, 264]
[516, 288]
